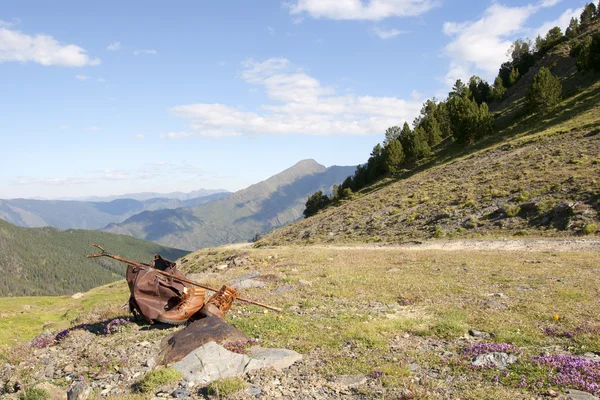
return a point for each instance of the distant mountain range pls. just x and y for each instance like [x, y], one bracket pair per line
[65, 214]
[257, 209]
[152, 195]
[46, 261]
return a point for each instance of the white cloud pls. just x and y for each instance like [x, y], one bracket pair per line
[302, 105]
[562, 22]
[92, 129]
[372, 10]
[114, 46]
[42, 49]
[82, 77]
[387, 33]
[482, 45]
[64, 126]
[100, 80]
[271, 30]
[139, 136]
[145, 51]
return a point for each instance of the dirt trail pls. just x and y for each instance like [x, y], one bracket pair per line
[572, 245]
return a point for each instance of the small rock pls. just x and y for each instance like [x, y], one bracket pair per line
[222, 267]
[393, 270]
[498, 360]
[150, 363]
[69, 369]
[413, 367]
[79, 391]
[305, 283]
[284, 289]
[350, 381]
[254, 390]
[406, 394]
[592, 356]
[476, 333]
[573, 394]
[77, 295]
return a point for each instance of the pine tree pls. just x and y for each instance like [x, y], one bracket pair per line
[498, 90]
[316, 202]
[545, 91]
[573, 29]
[553, 36]
[589, 14]
[391, 134]
[433, 133]
[442, 116]
[514, 77]
[393, 156]
[417, 143]
[405, 140]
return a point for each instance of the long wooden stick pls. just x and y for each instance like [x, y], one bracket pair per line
[191, 282]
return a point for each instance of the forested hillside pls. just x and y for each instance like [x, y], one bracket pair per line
[526, 164]
[46, 261]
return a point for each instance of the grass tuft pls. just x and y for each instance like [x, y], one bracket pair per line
[225, 387]
[158, 378]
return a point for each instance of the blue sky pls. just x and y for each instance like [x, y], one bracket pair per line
[112, 97]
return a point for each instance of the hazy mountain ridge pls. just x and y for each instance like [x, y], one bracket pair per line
[65, 214]
[142, 196]
[257, 209]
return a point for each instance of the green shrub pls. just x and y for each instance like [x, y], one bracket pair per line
[438, 232]
[545, 91]
[513, 211]
[225, 387]
[157, 378]
[34, 393]
[589, 229]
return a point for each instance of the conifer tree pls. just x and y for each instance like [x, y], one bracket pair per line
[393, 156]
[514, 77]
[573, 28]
[545, 91]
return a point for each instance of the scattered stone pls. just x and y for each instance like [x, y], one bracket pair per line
[77, 295]
[79, 391]
[498, 360]
[476, 333]
[303, 282]
[254, 390]
[406, 394]
[211, 362]
[150, 363]
[246, 281]
[284, 289]
[195, 335]
[573, 394]
[413, 367]
[501, 295]
[222, 267]
[69, 369]
[350, 381]
[393, 270]
[533, 261]
[592, 356]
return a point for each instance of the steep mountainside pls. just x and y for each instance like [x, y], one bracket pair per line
[257, 209]
[46, 261]
[87, 215]
[538, 175]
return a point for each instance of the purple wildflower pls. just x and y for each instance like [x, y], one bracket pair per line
[43, 340]
[376, 374]
[115, 325]
[64, 334]
[240, 346]
[572, 371]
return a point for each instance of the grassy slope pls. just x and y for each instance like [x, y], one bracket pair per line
[257, 209]
[542, 159]
[46, 261]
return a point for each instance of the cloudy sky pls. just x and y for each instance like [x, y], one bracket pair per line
[110, 97]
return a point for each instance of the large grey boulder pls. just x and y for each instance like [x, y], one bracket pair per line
[211, 362]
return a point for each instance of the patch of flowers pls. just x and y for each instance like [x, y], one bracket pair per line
[116, 325]
[376, 374]
[579, 330]
[572, 371]
[65, 333]
[240, 346]
[43, 340]
[484, 348]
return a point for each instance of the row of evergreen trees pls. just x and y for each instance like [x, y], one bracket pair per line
[464, 116]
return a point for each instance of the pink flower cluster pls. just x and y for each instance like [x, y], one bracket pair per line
[572, 371]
